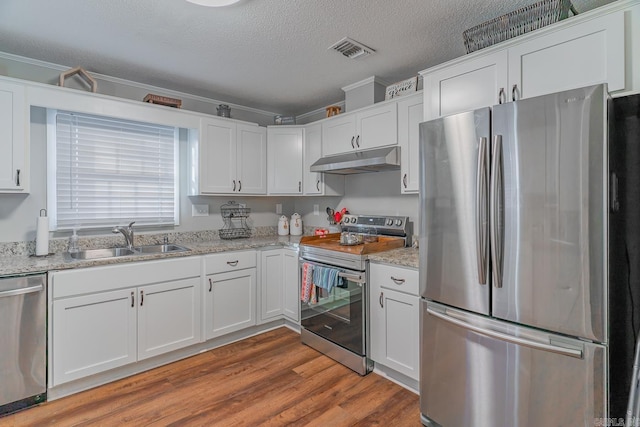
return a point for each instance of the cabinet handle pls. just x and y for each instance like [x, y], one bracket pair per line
[132, 299]
[352, 144]
[318, 185]
[18, 177]
[501, 96]
[299, 186]
[239, 185]
[141, 298]
[404, 180]
[232, 263]
[210, 284]
[381, 300]
[234, 185]
[358, 141]
[514, 93]
[397, 281]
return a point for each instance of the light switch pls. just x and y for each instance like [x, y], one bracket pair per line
[316, 210]
[279, 208]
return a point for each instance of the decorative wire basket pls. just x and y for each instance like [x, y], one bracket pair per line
[516, 23]
[235, 221]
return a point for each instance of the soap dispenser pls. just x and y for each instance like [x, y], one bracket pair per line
[73, 243]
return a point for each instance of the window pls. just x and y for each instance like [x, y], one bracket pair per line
[104, 171]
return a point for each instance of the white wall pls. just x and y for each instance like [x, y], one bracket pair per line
[376, 193]
[372, 193]
[18, 213]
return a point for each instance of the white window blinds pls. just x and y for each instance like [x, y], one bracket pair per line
[105, 171]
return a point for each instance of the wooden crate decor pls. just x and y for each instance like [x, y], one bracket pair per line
[405, 87]
[333, 110]
[163, 100]
[86, 77]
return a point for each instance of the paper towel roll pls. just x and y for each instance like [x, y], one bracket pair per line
[42, 236]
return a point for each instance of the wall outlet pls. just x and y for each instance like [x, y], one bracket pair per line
[199, 210]
[316, 210]
[279, 208]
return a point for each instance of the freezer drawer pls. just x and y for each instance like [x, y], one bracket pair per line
[480, 372]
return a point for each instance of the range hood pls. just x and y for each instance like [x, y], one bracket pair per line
[379, 159]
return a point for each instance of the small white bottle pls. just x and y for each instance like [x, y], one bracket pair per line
[73, 243]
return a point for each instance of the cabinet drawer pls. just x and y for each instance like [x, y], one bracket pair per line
[229, 261]
[395, 278]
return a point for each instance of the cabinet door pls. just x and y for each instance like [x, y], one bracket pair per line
[14, 176]
[291, 277]
[271, 284]
[377, 127]
[409, 117]
[466, 85]
[583, 54]
[252, 159]
[218, 157]
[339, 134]
[230, 302]
[93, 333]
[313, 182]
[395, 328]
[284, 164]
[168, 316]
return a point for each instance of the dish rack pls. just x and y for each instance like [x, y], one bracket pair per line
[235, 221]
[516, 23]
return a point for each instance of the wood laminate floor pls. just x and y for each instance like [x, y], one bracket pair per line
[267, 380]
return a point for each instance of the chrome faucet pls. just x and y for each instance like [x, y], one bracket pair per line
[127, 232]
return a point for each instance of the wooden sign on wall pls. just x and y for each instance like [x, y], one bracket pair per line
[405, 87]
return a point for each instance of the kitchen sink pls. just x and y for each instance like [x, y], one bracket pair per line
[160, 249]
[101, 253]
[137, 250]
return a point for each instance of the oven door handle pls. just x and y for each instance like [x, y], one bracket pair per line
[353, 277]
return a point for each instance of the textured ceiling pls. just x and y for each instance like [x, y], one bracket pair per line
[268, 54]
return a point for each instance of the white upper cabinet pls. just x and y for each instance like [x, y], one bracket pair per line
[231, 158]
[588, 49]
[252, 155]
[315, 183]
[409, 117]
[14, 143]
[580, 55]
[312, 151]
[284, 159]
[372, 127]
[467, 85]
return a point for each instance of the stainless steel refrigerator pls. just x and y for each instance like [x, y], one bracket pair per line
[517, 313]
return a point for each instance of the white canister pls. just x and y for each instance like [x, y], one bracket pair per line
[296, 225]
[283, 226]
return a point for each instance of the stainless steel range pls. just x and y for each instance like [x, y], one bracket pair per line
[334, 271]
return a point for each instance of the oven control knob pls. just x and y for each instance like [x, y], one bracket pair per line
[398, 222]
[346, 220]
[389, 221]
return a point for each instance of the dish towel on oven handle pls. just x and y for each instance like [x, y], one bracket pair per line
[307, 282]
[326, 277]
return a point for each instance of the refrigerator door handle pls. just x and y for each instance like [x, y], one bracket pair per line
[506, 337]
[495, 211]
[481, 211]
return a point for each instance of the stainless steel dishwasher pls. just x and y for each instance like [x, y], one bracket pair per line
[23, 314]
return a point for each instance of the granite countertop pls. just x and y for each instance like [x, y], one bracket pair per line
[25, 264]
[16, 264]
[402, 257]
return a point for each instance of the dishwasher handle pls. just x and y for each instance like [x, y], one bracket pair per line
[21, 291]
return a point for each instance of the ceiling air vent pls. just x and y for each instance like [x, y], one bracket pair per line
[351, 48]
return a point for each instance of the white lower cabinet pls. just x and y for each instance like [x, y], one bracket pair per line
[395, 318]
[229, 292]
[279, 294]
[93, 333]
[106, 317]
